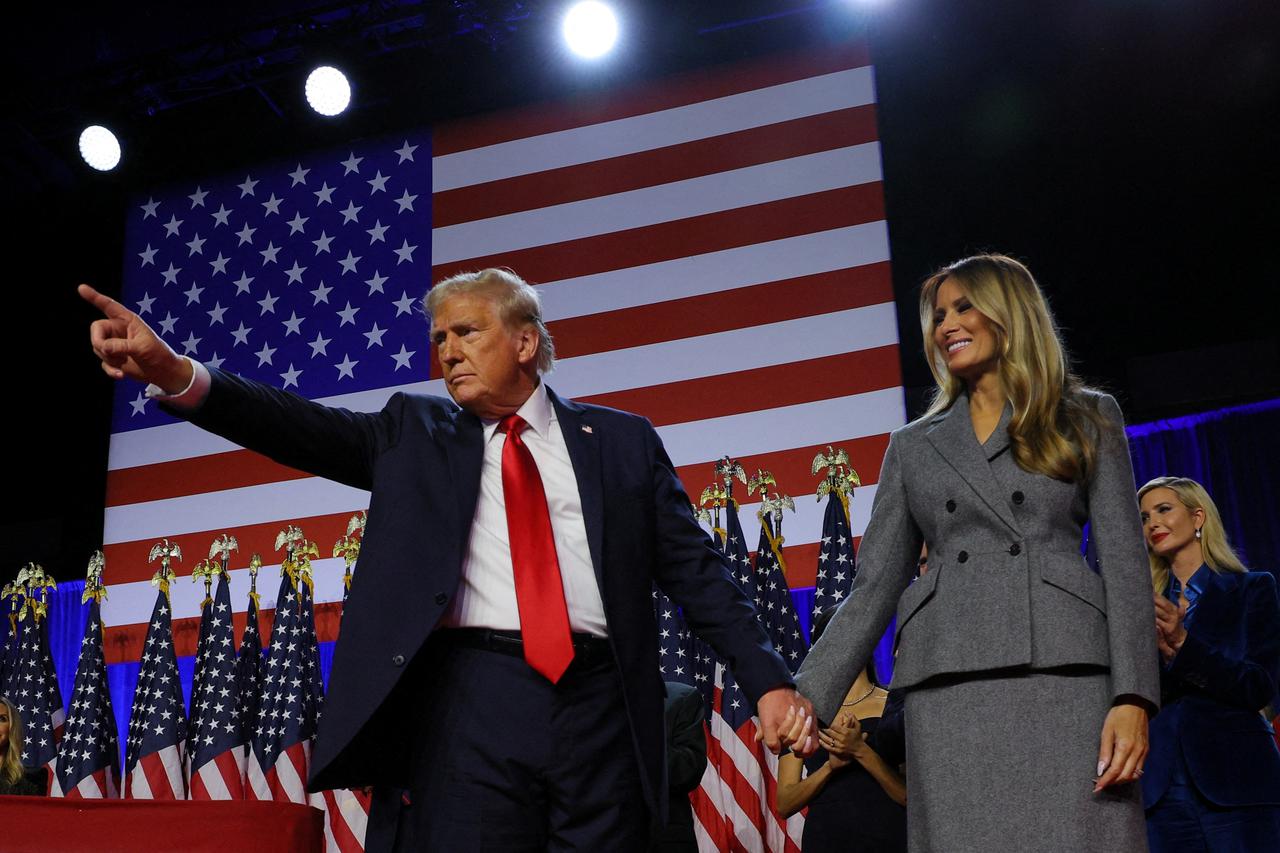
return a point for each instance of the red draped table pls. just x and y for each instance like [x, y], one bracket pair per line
[40, 825]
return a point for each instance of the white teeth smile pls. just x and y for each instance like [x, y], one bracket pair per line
[958, 345]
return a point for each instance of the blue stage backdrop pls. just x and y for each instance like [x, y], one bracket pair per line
[1231, 451]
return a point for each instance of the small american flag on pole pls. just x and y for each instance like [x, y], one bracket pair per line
[89, 755]
[217, 735]
[155, 751]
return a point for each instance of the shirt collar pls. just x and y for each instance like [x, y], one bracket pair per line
[1195, 584]
[536, 412]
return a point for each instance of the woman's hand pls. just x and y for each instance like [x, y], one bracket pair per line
[1124, 746]
[1171, 629]
[844, 741]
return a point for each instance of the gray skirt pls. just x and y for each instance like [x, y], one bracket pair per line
[1007, 764]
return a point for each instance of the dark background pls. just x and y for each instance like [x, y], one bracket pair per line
[1127, 150]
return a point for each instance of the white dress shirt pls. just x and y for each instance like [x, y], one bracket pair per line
[486, 595]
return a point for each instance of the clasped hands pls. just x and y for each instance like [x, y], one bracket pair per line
[844, 740]
[786, 721]
[1171, 630]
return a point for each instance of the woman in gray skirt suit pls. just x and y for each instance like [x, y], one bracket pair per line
[1029, 678]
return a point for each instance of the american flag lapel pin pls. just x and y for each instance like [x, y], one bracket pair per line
[586, 429]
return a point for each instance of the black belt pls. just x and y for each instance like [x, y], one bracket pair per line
[588, 650]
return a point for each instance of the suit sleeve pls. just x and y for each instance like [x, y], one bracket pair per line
[329, 442]
[1122, 555]
[687, 747]
[1247, 682]
[693, 573]
[886, 564]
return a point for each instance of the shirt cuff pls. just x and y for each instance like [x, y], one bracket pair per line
[188, 398]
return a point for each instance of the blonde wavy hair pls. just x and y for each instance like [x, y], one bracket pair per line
[1219, 556]
[1054, 429]
[11, 759]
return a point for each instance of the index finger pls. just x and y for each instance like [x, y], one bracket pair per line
[104, 303]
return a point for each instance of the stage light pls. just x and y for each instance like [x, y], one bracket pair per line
[590, 29]
[328, 90]
[99, 148]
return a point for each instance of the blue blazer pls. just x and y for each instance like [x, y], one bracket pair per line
[420, 457]
[1223, 675]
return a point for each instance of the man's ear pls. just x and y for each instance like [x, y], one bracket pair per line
[528, 347]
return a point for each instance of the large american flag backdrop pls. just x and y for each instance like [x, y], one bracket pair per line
[712, 253]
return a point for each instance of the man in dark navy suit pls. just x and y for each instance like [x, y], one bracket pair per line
[497, 679]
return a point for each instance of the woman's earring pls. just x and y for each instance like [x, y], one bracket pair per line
[1197, 532]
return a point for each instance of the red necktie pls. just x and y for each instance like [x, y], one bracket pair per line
[544, 617]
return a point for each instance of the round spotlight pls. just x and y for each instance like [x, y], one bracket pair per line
[590, 29]
[328, 91]
[99, 148]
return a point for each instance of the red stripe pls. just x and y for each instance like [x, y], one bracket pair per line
[158, 778]
[709, 313]
[695, 235]
[706, 813]
[123, 643]
[671, 163]
[765, 387]
[199, 474]
[127, 561]
[665, 94]
[198, 789]
[343, 837]
[791, 468]
[743, 792]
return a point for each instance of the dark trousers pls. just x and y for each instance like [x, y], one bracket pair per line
[1183, 821]
[505, 761]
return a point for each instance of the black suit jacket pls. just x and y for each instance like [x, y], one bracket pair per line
[1225, 672]
[420, 457]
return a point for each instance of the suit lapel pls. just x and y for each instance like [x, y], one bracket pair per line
[584, 452]
[464, 448]
[952, 436]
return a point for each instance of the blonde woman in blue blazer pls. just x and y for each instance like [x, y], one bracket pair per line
[1213, 775]
[1029, 678]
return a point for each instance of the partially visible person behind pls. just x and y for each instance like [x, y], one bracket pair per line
[854, 790]
[1212, 780]
[683, 712]
[14, 778]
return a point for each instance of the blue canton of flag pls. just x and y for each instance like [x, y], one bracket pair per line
[89, 757]
[776, 603]
[154, 750]
[249, 665]
[675, 641]
[297, 277]
[836, 560]
[34, 689]
[289, 708]
[217, 741]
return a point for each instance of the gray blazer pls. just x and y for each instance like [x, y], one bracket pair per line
[1006, 585]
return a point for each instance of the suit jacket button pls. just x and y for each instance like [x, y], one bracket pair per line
[1015, 549]
[398, 660]
[1019, 497]
[441, 598]
[951, 506]
[963, 556]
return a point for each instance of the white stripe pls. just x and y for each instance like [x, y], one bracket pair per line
[131, 603]
[293, 783]
[139, 788]
[258, 788]
[733, 351]
[716, 272]
[214, 784]
[598, 373]
[89, 788]
[720, 191]
[248, 505]
[757, 108]
[786, 427]
[171, 758]
[750, 771]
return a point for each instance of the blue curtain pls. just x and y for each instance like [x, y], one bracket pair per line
[1233, 453]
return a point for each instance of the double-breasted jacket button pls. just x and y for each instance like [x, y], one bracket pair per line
[1018, 498]
[1015, 549]
[441, 598]
[951, 506]
[963, 556]
[398, 660]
